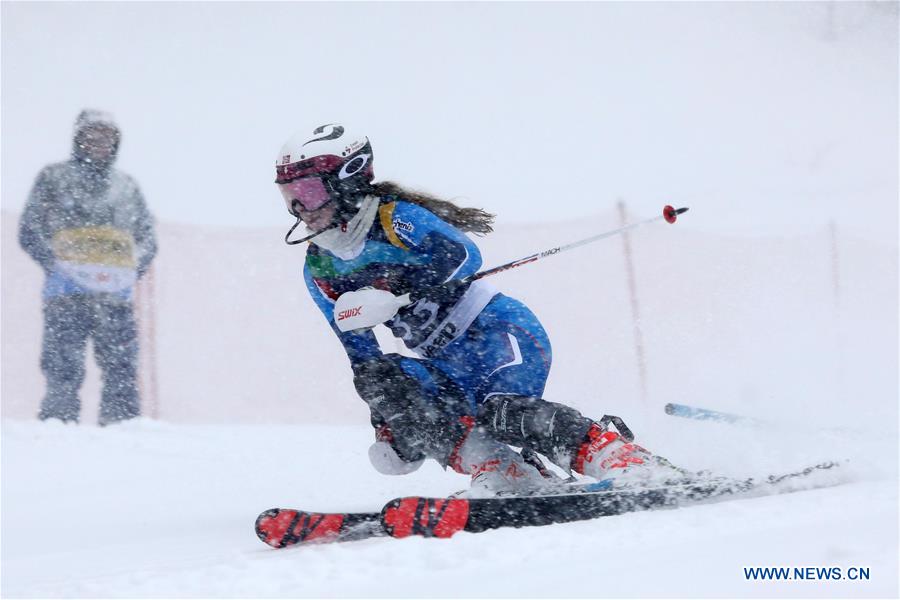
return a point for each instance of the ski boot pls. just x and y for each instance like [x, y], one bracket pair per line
[496, 469]
[610, 456]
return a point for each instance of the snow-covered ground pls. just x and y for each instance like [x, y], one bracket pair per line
[152, 509]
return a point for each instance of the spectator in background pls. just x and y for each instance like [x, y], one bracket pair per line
[87, 226]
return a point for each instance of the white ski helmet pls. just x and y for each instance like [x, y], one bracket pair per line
[328, 164]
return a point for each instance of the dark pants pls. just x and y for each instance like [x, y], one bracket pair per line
[68, 323]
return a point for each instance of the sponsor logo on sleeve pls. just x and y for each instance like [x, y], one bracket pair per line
[404, 228]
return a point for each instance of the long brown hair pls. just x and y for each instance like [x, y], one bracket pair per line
[472, 220]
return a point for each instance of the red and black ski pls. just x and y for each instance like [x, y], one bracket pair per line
[443, 517]
[280, 527]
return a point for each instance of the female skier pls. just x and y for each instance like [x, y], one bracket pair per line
[483, 358]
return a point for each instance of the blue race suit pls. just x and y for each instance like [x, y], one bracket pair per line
[484, 342]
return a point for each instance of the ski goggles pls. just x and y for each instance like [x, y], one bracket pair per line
[309, 192]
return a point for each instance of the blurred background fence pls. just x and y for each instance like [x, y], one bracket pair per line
[804, 327]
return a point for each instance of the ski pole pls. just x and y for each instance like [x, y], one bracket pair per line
[381, 305]
[705, 414]
[669, 214]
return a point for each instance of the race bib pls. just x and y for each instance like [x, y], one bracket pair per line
[427, 327]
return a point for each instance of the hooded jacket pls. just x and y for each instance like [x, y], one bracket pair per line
[87, 224]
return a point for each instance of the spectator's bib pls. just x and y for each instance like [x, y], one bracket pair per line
[100, 259]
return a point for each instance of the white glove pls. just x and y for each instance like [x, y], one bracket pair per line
[387, 462]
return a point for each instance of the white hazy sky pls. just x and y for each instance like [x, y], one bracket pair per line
[763, 117]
